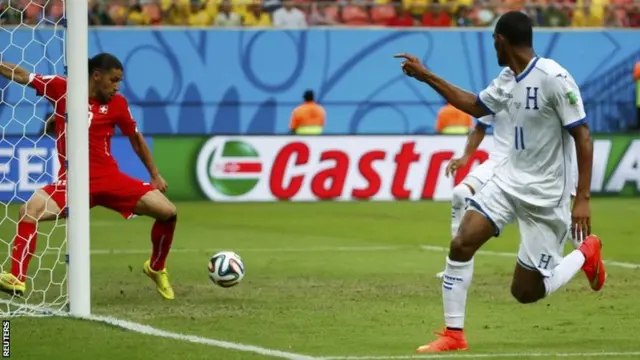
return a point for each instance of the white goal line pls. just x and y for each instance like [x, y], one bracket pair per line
[274, 353]
[373, 248]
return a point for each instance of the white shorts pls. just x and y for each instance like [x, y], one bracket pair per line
[543, 231]
[479, 176]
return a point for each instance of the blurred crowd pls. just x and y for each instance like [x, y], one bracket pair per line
[304, 13]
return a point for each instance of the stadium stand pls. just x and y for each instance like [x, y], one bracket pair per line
[394, 13]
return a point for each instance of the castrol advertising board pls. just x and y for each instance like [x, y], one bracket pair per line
[339, 168]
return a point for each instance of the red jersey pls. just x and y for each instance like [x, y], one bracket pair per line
[103, 118]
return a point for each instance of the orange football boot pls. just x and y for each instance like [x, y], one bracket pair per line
[449, 340]
[593, 266]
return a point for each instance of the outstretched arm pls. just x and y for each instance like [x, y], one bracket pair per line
[459, 98]
[14, 73]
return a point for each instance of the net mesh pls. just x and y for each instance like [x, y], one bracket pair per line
[31, 36]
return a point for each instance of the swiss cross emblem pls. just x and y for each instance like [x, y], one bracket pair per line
[103, 109]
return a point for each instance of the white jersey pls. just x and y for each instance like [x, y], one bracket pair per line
[502, 126]
[543, 101]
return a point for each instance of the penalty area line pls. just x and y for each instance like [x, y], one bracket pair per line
[258, 250]
[373, 248]
[490, 356]
[620, 264]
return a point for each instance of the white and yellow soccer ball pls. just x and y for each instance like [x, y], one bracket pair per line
[226, 269]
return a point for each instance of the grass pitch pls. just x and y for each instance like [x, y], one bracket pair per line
[325, 279]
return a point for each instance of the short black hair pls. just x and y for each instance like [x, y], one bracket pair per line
[308, 95]
[104, 62]
[516, 27]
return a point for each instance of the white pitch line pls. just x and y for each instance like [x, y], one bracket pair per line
[621, 264]
[259, 250]
[60, 252]
[148, 330]
[488, 356]
[57, 252]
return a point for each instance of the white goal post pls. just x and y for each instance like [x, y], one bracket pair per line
[78, 244]
[28, 159]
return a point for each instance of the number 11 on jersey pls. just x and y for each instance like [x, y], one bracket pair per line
[519, 138]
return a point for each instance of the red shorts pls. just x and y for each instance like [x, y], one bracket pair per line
[119, 192]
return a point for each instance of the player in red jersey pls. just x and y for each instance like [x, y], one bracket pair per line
[108, 186]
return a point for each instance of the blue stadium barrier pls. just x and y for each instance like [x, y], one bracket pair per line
[188, 81]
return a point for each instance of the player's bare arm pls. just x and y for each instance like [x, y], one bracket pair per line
[581, 215]
[459, 98]
[473, 142]
[50, 125]
[37, 208]
[14, 73]
[142, 150]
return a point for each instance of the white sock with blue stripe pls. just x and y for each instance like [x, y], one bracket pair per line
[455, 284]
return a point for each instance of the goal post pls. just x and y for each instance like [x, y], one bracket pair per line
[46, 38]
[78, 244]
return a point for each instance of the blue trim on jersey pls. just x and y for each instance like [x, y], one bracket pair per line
[576, 123]
[527, 70]
[482, 125]
[479, 208]
[481, 103]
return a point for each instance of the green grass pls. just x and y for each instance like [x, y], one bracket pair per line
[320, 301]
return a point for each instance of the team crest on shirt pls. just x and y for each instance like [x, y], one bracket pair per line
[103, 109]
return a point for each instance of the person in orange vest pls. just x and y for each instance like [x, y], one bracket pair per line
[453, 121]
[636, 79]
[308, 118]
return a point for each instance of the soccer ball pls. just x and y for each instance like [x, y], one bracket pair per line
[226, 269]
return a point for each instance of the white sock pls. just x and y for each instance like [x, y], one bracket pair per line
[458, 202]
[561, 274]
[455, 283]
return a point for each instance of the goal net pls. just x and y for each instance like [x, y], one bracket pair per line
[33, 35]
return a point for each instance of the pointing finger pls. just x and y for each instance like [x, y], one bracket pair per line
[409, 57]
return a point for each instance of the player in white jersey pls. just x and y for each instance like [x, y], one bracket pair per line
[531, 187]
[479, 176]
[476, 179]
